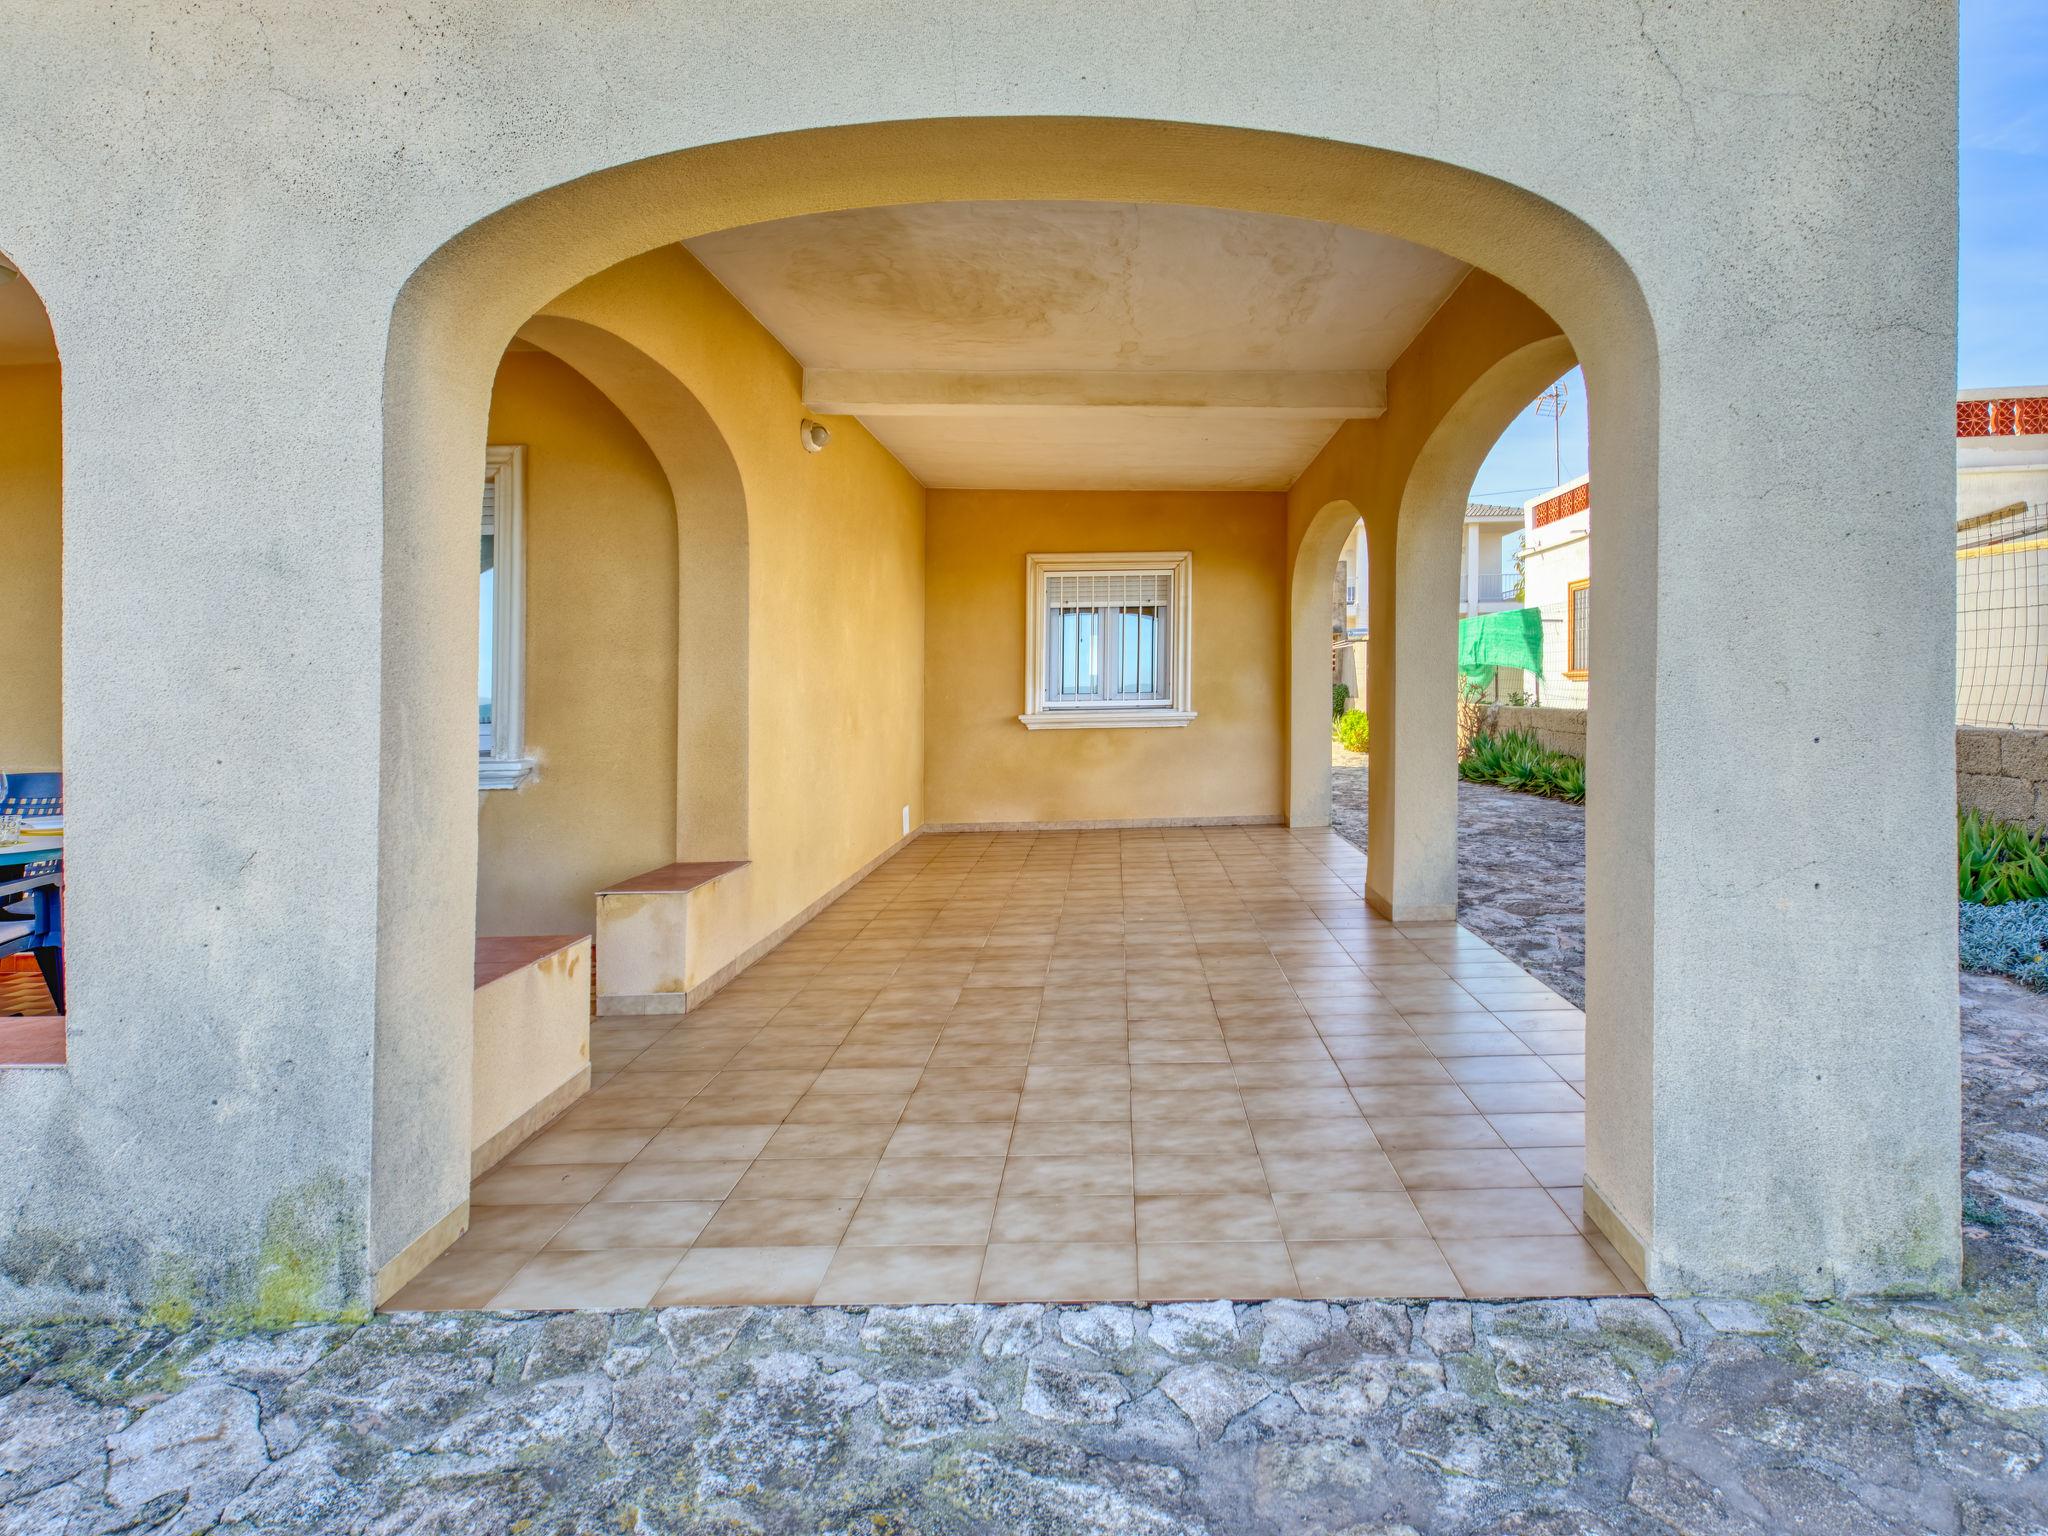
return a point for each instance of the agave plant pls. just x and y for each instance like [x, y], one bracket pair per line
[1997, 862]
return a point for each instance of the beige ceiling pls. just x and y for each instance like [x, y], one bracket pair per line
[24, 327]
[1086, 345]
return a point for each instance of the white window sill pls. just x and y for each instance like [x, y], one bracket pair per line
[1104, 719]
[505, 772]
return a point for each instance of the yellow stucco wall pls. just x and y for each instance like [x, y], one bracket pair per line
[834, 659]
[600, 658]
[982, 766]
[31, 537]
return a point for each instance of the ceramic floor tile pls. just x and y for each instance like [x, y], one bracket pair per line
[636, 1224]
[1059, 1272]
[900, 1276]
[513, 1228]
[1461, 1213]
[1454, 1169]
[1213, 1271]
[782, 1276]
[1104, 1173]
[1554, 1166]
[777, 1223]
[462, 1280]
[709, 1143]
[1283, 1136]
[942, 1139]
[1346, 1168]
[804, 1142]
[899, 1221]
[673, 1181]
[1530, 1266]
[1558, 1097]
[819, 1178]
[1174, 1064]
[1192, 1138]
[1177, 1175]
[1433, 1133]
[1403, 1267]
[1207, 1218]
[978, 1177]
[1413, 1099]
[1541, 1130]
[542, 1184]
[1063, 1218]
[1313, 1215]
[614, 1277]
[1061, 1138]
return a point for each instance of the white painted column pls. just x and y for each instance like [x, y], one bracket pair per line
[1471, 568]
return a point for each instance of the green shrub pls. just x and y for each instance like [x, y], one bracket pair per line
[1340, 696]
[1517, 761]
[1353, 730]
[1997, 862]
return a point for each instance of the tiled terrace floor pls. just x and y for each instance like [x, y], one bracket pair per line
[1138, 1065]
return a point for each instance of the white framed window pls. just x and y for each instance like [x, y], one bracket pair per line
[1108, 641]
[502, 762]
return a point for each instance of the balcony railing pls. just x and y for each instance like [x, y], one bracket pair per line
[1494, 587]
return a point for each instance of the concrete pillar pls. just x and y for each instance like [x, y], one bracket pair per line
[1412, 793]
[1471, 567]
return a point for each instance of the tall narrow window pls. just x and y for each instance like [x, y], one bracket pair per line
[501, 623]
[1578, 627]
[1108, 640]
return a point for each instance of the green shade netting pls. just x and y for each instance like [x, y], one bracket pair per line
[1510, 639]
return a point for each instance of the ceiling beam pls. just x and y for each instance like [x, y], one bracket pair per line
[918, 392]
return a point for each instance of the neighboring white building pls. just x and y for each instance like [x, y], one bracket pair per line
[2001, 449]
[1557, 578]
[1487, 583]
[2002, 557]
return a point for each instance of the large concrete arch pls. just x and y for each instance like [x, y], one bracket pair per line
[464, 303]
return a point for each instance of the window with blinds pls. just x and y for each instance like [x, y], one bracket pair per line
[1109, 640]
[1578, 628]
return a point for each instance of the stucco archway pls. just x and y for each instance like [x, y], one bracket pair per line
[711, 575]
[1413, 793]
[1308, 661]
[465, 302]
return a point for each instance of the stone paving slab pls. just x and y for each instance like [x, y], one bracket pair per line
[1546, 1418]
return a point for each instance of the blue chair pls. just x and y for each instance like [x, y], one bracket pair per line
[32, 895]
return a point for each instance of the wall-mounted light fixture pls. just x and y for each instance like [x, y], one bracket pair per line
[815, 436]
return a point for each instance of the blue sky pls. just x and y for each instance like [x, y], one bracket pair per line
[2002, 312]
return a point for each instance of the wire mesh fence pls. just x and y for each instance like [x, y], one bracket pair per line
[2002, 617]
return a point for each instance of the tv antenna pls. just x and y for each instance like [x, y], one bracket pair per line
[1554, 402]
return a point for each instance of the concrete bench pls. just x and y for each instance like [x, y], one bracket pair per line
[532, 1039]
[651, 936]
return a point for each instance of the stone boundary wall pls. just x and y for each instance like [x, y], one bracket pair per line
[1561, 730]
[2001, 772]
